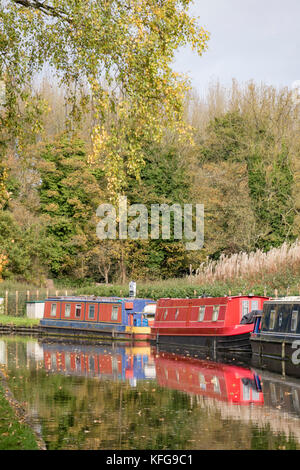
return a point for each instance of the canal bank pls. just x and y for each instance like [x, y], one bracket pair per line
[16, 431]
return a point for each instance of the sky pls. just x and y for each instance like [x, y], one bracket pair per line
[250, 40]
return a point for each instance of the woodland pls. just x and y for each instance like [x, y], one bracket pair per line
[91, 108]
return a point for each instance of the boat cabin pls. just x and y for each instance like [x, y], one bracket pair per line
[280, 316]
[276, 335]
[204, 312]
[206, 321]
[96, 313]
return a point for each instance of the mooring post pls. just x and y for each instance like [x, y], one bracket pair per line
[17, 301]
[283, 350]
[215, 347]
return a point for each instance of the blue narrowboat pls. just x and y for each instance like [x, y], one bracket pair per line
[115, 317]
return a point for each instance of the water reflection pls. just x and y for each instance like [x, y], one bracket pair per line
[115, 362]
[112, 396]
[228, 383]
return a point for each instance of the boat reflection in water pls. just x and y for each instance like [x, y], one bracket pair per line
[225, 382]
[222, 385]
[102, 361]
[253, 396]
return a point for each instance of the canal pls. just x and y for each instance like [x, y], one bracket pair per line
[112, 396]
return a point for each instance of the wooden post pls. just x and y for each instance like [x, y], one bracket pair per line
[47, 293]
[265, 292]
[56, 293]
[229, 293]
[17, 301]
[28, 295]
[276, 293]
[37, 295]
[66, 293]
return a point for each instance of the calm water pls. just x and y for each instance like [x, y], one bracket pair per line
[121, 397]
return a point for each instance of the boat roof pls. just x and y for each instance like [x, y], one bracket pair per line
[92, 298]
[229, 297]
[286, 300]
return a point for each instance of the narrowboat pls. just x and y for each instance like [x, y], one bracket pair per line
[117, 318]
[211, 324]
[276, 335]
[223, 382]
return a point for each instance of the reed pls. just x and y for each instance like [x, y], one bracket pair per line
[251, 266]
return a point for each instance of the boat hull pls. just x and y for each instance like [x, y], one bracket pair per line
[235, 343]
[96, 330]
[276, 348]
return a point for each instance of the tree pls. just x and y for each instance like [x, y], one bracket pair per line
[165, 179]
[69, 196]
[257, 130]
[121, 50]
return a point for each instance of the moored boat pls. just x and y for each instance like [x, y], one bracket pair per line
[114, 317]
[276, 334]
[206, 323]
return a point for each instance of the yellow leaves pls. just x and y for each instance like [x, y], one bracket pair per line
[3, 262]
[52, 207]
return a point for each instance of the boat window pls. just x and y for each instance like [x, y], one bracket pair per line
[114, 312]
[202, 381]
[272, 320]
[216, 384]
[295, 399]
[216, 311]
[201, 313]
[273, 393]
[53, 310]
[246, 392]
[53, 361]
[294, 321]
[166, 313]
[78, 311]
[254, 305]
[245, 307]
[67, 310]
[91, 312]
[280, 319]
[176, 314]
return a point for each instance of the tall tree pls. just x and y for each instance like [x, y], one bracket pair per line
[122, 50]
[69, 196]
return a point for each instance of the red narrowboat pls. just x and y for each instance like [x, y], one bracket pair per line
[206, 323]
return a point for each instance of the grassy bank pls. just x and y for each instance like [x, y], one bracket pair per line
[18, 321]
[15, 434]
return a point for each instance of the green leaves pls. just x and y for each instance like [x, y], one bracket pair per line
[122, 52]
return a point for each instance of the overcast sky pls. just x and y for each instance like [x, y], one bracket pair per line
[250, 39]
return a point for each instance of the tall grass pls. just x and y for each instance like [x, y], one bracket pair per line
[279, 265]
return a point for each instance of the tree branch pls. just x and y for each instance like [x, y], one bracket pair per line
[44, 8]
